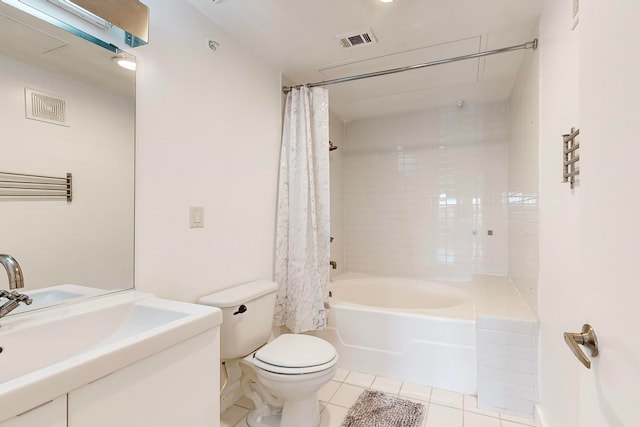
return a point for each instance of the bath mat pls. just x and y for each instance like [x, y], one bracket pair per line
[379, 409]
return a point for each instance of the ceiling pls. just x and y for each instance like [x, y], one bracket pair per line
[298, 37]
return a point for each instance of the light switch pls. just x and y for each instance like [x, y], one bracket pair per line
[196, 217]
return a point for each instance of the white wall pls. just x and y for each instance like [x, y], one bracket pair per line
[89, 241]
[610, 173]
[523, 179]
[559, 214]
[208, 132]
[417, 185]
[588, 244]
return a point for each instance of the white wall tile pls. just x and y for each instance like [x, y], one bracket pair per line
[515, 352]
[507, 390]
[415, 187]
[507, 338]
[523, 180]
[507, 363]
[507, 325]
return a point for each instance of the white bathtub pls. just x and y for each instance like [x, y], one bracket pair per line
[418, 331]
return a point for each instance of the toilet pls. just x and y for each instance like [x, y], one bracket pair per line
[282, 377]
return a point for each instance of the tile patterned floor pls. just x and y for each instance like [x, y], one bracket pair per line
[443, 408]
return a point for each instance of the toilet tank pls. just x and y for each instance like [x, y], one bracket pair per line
[244, 330]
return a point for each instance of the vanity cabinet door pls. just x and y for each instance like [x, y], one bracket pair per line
[52, 414]
[175, 387]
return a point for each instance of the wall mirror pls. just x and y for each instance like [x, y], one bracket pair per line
[66, 107]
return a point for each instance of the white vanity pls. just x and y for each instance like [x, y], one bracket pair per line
[124, 359]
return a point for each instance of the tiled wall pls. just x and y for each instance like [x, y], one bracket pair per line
[423, 190]
[507, 347]
[523, 180]
[507, 365]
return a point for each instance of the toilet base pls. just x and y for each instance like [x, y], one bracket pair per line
[294, 414]
[254, 419]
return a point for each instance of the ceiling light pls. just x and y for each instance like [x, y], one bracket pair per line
[386, 1]
[125, 62]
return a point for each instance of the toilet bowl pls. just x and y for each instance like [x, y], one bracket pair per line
[282, 377]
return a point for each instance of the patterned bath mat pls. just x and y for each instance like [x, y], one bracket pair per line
[379, 409]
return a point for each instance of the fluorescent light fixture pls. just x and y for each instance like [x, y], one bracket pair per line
[386, 1]
[125, 62]
[82, 13]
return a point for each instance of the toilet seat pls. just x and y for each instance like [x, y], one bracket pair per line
[293, 354]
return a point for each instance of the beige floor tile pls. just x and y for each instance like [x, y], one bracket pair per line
[328, 390]
[415, 391]
[332, 416]
[360, 379]
[341, 374]
[388, 385]
[232, 416]
[242, 423]
[471, 405]
[447, 398]
[443, 416]
[346, 395]
[245, 402]
[471, 419]
[517, 420]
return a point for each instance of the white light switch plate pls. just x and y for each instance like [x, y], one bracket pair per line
[196, 217]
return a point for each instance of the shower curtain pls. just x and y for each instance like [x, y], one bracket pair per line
[302, 230]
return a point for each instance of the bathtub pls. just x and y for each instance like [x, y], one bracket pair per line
[418, 331]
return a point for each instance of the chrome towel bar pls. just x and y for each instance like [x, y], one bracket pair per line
[20, 185]
[570, 157]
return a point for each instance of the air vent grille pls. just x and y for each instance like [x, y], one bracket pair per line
[361, 38]
[45, 108]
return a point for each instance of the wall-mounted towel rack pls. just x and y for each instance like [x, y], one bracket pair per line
[571, 156]
[18, 185]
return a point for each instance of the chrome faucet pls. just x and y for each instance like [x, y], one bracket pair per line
[14, 271]
[16, 280]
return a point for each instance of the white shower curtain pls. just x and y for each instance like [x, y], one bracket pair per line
[302, 233]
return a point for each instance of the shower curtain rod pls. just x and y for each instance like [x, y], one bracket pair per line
[529, 45]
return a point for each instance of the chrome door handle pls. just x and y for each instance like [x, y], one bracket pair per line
[586, 338]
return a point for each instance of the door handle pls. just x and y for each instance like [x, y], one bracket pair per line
[586, 338]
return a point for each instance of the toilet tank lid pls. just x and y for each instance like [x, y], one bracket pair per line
[240, 294]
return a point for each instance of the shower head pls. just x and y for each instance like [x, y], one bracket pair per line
[332, 147]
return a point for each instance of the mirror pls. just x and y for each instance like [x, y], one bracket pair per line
[82, 122]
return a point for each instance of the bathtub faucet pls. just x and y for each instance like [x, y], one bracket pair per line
[333, 264]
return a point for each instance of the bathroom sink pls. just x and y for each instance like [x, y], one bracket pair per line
[53, 295]
[48, 353]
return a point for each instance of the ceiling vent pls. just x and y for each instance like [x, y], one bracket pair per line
[362, 38]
